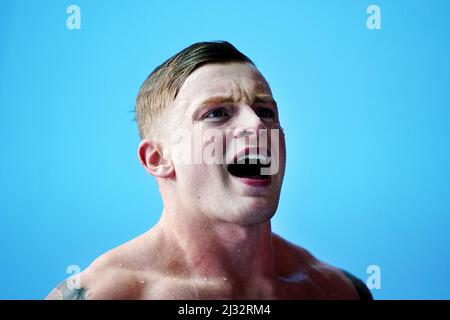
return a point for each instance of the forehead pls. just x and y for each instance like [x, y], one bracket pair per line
[238, 80]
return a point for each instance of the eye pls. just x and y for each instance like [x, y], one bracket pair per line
[265, 113]
[216, 115]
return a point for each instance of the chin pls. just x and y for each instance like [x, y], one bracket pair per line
[256, 211]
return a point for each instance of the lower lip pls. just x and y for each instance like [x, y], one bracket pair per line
[255, 182]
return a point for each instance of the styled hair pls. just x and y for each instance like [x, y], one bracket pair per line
[163, 84]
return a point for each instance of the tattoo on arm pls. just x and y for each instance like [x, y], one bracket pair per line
[65, 292]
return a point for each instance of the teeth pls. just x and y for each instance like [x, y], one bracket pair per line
[253, 159]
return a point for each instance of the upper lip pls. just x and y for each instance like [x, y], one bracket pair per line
[250, 150]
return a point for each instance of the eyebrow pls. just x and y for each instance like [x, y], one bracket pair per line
[264, 98]
[214, 100]
[261, 98]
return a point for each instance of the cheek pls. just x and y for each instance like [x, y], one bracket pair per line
[198, 179]
[282, 158]
[283, 150]
[282, 144]
[213, 147]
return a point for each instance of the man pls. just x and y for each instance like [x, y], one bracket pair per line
[214, 238]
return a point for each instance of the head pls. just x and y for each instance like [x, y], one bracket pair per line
[208, 123]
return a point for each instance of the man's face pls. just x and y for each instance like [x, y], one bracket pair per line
[223, 112]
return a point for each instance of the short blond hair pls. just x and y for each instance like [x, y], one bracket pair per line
[163, 84]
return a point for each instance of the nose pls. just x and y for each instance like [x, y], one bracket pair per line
[248, 123]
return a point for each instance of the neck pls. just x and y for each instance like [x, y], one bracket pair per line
[219, 249]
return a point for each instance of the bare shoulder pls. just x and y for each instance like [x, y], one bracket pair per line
[330, 281]
[113, 275]
[103, 279]
[67, 290]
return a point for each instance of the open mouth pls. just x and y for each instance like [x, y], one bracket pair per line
[250, 167]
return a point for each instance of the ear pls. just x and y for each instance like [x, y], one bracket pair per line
[152, 158]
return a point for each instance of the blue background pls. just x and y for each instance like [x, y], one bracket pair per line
[366, 115]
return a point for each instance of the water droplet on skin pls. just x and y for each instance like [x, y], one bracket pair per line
[120, 265]
[142, 282]
[224, 278]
